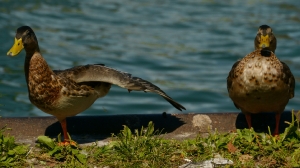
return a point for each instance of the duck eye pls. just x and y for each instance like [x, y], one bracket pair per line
[18, 43]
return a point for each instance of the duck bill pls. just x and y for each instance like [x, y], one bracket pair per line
[16, 48]
[264, 41]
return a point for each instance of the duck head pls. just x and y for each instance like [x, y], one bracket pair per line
[265, 39]
[25, 38]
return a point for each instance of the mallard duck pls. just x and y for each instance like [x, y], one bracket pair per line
[65, 93]
[260, 82]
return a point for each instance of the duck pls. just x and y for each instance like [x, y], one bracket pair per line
[260, 82]
[65, 93]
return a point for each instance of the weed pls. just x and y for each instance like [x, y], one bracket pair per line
[69, 154]
[147, 148]
[143, 148]
[11, 153]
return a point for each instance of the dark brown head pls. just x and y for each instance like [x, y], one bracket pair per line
[265, 39]
[25, 38]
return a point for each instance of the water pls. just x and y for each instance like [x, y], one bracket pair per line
[185, 47]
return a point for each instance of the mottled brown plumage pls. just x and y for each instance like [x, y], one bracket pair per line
[65, 93]
[260, 82]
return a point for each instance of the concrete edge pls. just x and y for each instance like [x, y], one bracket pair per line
[88, 129]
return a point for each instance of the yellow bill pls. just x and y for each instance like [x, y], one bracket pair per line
[16, 48]
[264, 41]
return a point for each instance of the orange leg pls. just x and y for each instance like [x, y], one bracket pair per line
[67, 140]
[248, 118]
[64, 128]
[277, 117]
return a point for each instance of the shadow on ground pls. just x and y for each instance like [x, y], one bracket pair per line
[261, 121]
[84, 129]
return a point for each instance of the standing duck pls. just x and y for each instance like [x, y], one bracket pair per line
[260, 82]
[65, 93]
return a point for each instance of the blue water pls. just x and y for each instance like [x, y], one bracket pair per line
[185, 47]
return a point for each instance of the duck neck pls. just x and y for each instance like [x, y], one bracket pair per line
[36, 69]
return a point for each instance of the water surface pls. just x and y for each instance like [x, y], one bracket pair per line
[185, 47]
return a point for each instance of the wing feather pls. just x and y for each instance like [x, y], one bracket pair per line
[101, 73]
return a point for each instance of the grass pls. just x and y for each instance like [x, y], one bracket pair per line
[11, 154]
[147, 148]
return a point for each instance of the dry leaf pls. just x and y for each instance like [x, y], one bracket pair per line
[231, 148]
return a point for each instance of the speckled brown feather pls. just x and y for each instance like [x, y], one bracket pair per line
[260, 84]
[46, 88]
[43, 90]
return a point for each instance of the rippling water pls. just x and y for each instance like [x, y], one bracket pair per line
[185, 47]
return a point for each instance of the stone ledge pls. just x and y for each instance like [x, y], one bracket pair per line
[87, 129]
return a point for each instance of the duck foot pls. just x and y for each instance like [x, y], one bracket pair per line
[67, 143]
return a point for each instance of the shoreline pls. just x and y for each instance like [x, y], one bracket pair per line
[89, 129]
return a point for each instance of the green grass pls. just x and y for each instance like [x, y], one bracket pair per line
[143, 148]
[147, 148]
[11, 154]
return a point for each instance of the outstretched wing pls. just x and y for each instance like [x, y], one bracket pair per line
[101, 73]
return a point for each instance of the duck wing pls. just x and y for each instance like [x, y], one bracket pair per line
[101, 73]
[289, 79]
[230, 77]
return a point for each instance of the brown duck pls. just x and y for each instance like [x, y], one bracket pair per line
[260, 82]
[65, 93]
